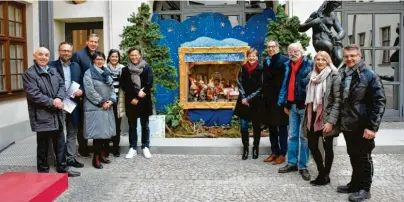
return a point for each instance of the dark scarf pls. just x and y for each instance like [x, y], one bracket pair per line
[249, 68]
[135, 71]
[104, 77]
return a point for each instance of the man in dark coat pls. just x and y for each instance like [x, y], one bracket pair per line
[45, 91]
[275, 117]
[70, 72]
[83, 59]
[362, 109]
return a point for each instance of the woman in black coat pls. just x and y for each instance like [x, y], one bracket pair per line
[137, 82]
[275, 117]
[249, 102]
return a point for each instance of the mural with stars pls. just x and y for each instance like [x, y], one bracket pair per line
[213, 25]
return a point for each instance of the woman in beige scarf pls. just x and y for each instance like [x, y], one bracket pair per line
[322, 111]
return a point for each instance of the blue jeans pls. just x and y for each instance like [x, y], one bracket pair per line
[245, 137]
[298, 150]
[278, 136]
[144, 122]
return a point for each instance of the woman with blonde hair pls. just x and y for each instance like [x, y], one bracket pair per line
[321, 113]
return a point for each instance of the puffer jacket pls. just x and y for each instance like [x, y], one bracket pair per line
[331, 104]
[364, 107]
[300, 82]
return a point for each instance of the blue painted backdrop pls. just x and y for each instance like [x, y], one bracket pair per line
[213, 25]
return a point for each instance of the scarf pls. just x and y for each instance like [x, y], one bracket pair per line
[115, 71]
[101, 75]
[250, 67]
[317, 87]
[135, 71]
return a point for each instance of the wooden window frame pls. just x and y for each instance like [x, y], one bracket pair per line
[7, 40]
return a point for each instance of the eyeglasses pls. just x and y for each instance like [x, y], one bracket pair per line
[350, 56]
[269, 47]
[99, 59]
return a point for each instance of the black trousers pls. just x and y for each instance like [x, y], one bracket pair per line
[323, 169]
[100, 146]
[117, 138]
[360, 154]
[57, 138]
[245, 137]
[83, 142]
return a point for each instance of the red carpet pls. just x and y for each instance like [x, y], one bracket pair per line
[32, 187]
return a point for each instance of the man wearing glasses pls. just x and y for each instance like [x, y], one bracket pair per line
[362, 109]
[70, 72]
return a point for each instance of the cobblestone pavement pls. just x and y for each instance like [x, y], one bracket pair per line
[220, 178]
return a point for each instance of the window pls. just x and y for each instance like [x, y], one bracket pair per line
[350, 39]
[386, 42]
[13, 57]
[362, 37]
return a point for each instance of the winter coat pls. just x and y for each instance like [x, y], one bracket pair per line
[41, 89]
[274, 73]
[77, 77]
[300, 82]
[98, 123]
[365, 105]
[144, 107]
[250, 87]
[83, 58]
[331, 104]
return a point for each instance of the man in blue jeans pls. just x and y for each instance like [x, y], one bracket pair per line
[292, 97]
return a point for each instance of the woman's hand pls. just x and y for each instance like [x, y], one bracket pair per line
[105, 106]
[141, 94]
[328, 127]
[286, 110]
[134, 101]
[245, 102]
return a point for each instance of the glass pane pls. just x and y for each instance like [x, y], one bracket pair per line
[2, 83]
[19, 84]
[18, 29]
[360, 24]
[387, 29]
[11, 28]
[367, 57]
[13, 67]
[20, 52]
[234, 20]
[259, 4]
[387, 65]
[1, 27]
[173, 16]
[20, 66]
[12, 51]
[18, 15]
[166, 6]
[14, 82]
[11, 13]
[392, 96]
[211, 3]
[1, 11]
[1, 51]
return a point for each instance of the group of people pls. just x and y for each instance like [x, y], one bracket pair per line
[107, 90]
[316, 101]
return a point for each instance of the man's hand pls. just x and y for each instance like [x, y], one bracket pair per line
[327, 127]
[141, 94]
[368, 134]
[245, 102]
[110, 103]
[286, 110]
[57, 103]
[78, 93]
[134, 101]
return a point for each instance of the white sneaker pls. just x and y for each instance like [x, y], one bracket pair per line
[132, 152]
[146, 153]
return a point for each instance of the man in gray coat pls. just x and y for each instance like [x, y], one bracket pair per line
[45, 91]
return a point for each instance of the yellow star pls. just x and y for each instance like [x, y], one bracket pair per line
[222, 24]
[242, 32]
[170, 29]
[193, 28]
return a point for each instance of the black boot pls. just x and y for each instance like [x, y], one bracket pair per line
[97, 161]
[255, 153]
[245, 153]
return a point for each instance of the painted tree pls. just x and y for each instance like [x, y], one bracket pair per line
[285, 30]
[145, 34]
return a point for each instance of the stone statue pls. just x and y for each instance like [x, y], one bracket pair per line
[322, 21]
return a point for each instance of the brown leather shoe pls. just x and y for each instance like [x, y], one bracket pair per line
[271, 158]
[279, 160]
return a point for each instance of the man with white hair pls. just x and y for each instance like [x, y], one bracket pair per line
[292, 97]
[45, 90]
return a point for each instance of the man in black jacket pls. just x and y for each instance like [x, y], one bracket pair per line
[362, 109]
[70, 72]
[45, 91]
[83, 59]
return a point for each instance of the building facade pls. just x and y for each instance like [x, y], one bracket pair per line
[26, 25]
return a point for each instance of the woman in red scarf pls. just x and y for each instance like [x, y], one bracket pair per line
[250, 102]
